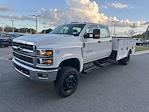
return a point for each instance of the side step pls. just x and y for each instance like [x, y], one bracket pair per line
[89, 67]
[86, 71]
[105, 64]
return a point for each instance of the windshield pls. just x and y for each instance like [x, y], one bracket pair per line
[69, 29]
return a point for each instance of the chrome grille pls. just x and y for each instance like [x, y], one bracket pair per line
[24, 58]
[23, 46]
[24, 52]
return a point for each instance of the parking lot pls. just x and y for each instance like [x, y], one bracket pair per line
[114, 88]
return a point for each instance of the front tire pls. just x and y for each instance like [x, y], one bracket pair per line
[66, 82]
[125, 61]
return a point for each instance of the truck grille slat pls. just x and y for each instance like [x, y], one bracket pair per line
[23, 46]
[23, 70]
[24, 58]
[24, 52]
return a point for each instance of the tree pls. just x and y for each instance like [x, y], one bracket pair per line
[23, 30]
[46, 31]
[8, 29]
[147, 34]
[0, 29]
[31, 30]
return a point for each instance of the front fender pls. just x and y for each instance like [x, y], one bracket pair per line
[70, 56]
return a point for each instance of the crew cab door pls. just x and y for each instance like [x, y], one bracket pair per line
[95, 49]
[105, 41]
[91, 49]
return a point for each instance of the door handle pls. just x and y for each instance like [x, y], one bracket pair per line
[99, 41]
[110, 41]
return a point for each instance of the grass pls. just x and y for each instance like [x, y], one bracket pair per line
[141, 48]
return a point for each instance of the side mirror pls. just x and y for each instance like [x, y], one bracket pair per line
[96, 33]
[88, 35]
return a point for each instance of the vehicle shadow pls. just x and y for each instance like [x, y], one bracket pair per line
[45, 90]
[44, 93]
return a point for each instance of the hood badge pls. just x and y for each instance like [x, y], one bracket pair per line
[20, 49]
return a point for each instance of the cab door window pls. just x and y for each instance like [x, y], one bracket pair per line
[91, 28]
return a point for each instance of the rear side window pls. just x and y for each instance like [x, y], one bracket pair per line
[104, 32]
[64, 30]
[91, 28]
[77, 29]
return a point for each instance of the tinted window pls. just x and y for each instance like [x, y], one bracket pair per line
[91, 28]
[70, 29]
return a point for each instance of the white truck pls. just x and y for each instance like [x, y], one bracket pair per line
[67, 51]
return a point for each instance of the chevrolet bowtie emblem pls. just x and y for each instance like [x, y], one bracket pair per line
[20, 49]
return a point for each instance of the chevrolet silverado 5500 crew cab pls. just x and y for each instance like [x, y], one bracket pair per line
[70, 49]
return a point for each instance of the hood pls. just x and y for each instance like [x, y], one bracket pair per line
[4, 38]
[49, 40]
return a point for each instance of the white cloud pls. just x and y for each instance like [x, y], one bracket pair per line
[145, 23]
[78, 10]
[87, 11]
[104, 6]
[82, 11]
[119, 5]
[4, 8]
[17, 17]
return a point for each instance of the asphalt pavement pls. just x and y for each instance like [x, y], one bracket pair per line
[114, 88]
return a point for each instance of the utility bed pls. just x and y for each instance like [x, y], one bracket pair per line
[120, 47]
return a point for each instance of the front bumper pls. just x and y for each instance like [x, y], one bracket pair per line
[35, 74]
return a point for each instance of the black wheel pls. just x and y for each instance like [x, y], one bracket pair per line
[66, 82]
[125, 61]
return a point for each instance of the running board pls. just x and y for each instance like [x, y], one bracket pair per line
[104, 64]
[90, 69]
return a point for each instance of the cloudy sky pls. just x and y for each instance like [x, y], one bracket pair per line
[53, 12]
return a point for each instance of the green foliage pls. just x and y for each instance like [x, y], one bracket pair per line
[143, 35]
[21, 30]
[142, 48]
[46, 31]
[138, 36]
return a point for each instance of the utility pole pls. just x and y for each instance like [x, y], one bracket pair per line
[36, 20]
[12, 22]
[114, 28]
[2, 27]
[146, 34]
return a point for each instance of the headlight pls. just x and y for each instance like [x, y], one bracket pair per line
[45, 61]
[45, 52]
